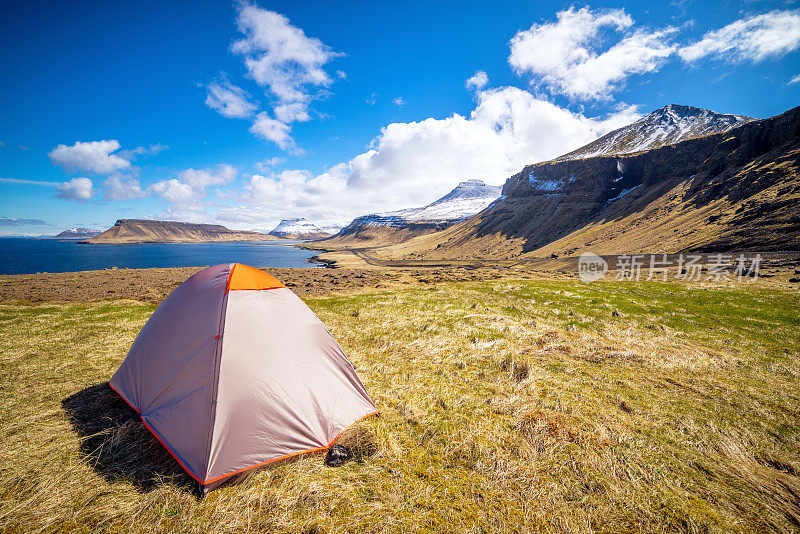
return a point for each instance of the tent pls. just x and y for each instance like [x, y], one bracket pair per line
[233, 371]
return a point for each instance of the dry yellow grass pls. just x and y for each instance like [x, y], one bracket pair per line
[507, 406]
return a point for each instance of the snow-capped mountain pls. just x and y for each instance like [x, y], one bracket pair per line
[298, 228]
[78, 233]
[665, 126]
[464, 201]
[467, 199]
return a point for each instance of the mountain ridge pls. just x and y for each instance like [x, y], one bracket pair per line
[736, 190]
[463, 201]
[298, 228]
[667, 125]
[131, 231]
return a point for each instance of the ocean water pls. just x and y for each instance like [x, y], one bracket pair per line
[22, 256]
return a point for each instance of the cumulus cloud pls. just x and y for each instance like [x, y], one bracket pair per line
[289, 65]
[752, 39]
[411, 164]
[399, 101]
[180, 195]
[185, 193]
[230, 100]
[122, 187]
[200, 179]
[280, 56]
[564, 57]
[79, 189]
[91, 156]
[272, 130]
[478, 81]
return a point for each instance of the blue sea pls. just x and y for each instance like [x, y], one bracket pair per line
[24, 255]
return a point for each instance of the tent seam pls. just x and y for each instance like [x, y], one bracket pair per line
[155, 434]
[217, 364]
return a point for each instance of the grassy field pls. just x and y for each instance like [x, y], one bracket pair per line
[506, 406]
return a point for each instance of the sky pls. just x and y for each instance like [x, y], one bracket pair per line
[244, 113]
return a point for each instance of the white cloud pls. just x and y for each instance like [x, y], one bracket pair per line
[563, 55]
[92, 156]
[280, 56]
[477, 81]
[294, 112]
[230, 100]
[79, 189]
[272, 130]
[753, 39]
[180, 195]
[794, 80]
[269, 162]
[373, 98]
[20, 181]
[411, 164]
[200, 179]
[399, 101]
[122, 187]
[186, 193]
[151, 150]
[287, 63]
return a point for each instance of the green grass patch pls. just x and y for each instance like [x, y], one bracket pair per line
[506, 406]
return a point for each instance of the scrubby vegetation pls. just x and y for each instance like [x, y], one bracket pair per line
[506, 406]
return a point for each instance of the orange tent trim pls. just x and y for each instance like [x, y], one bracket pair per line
[328, 446]
[250, 278]
[315, 449]
[156, 435]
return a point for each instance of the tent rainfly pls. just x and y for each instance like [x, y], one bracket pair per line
[233, 371]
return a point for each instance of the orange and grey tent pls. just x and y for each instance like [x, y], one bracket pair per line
[233, 371]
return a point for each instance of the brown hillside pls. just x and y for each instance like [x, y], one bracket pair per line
[738, 190]
[144, 231]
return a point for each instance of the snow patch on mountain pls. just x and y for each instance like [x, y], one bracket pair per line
[298, 228]
[464, 201]
[78, 233]
[665, 126]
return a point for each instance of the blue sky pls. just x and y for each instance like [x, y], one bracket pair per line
[244, 114]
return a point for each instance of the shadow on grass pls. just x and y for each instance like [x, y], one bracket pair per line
[118, 445]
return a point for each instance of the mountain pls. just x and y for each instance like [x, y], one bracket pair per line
[299, 228]
[146, 231]
[732, 191]
[465, 200]
[666, 126]
[77, 233]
